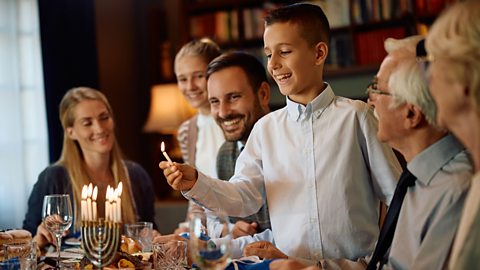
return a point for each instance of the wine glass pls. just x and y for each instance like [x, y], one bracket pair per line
[57, 217]
[206, 253]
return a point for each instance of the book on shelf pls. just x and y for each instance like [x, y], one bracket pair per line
[364, 11]
[336, 12]
[369, 46]
[221, 25]
[340, 53]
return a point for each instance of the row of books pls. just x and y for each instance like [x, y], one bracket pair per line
[366, 48]
[224, 26]
[221, 25]
[364, 11]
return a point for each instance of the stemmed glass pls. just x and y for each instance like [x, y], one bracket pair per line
[57, 217]
[205, 253]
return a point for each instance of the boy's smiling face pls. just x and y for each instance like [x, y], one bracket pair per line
[294, 65]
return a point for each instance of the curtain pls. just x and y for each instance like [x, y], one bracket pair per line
[23, 127]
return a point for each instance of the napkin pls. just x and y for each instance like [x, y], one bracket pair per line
[248, 265]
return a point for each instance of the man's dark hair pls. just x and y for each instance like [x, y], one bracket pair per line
[252, 67]
[311, 19]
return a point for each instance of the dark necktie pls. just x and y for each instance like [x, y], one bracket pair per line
[386, 234]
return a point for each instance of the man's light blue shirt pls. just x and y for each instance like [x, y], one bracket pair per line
[431, 210]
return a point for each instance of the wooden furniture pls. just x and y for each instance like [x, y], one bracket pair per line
[359, 27]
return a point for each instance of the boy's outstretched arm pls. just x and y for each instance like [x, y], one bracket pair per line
[179, 176]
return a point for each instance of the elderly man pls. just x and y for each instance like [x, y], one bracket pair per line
[439, 170]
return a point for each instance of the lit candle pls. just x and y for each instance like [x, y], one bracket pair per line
[108, 216]
[89, 202]
[162, 147]
[119, 201]
[110, 200]
[84, 203]
[113, 206]
[94, 199]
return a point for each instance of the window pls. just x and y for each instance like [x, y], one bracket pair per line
[23, 127]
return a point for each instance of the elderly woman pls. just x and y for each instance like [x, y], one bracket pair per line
[90, 154]
[453, 46]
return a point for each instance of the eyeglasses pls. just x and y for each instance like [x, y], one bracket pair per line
[372, 88]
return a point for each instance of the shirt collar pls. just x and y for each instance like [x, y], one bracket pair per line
[240, 144]
[204, 120]
[315, 107]
[426, 164]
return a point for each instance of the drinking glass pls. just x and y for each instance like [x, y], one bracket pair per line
[205, 253]
[23, 253]
[57, 217]
[170, 255]
[142, 232]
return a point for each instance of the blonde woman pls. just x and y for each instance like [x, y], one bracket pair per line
[90, 154]
[453, 46]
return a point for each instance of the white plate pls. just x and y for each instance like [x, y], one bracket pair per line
[68, 253]
[73, 241]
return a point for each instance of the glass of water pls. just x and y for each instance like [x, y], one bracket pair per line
[205, 253]
[57, 217]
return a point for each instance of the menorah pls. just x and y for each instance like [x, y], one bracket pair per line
[100, 241]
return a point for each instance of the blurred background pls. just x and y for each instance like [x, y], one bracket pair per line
[125, 48]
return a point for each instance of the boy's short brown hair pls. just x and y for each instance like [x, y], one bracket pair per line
[311, 19]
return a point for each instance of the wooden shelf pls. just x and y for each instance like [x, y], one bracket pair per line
[201, 7]
[356, 45]
[333, 72]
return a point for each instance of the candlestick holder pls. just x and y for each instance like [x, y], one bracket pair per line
[100, 240]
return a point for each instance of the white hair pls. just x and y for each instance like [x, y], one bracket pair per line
[407, 82]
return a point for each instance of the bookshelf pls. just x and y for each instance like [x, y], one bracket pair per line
[359, 27]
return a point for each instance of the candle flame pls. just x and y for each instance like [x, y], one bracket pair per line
[120, 189]
[95, 191]
[90, 190]
[162, 147]
[84, 192]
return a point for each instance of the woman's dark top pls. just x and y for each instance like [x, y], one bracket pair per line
[54, 180]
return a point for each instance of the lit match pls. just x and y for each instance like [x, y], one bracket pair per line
[162, 147]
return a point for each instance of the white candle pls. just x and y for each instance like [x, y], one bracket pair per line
[113, 207]
[89, 202]
[162, 146]
[110, 200]
[84, 203]
[107, 204]
[119, 201]
[94, 198]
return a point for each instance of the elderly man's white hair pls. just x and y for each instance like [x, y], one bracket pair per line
[407, 82]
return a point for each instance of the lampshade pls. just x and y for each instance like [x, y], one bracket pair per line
[168, 109]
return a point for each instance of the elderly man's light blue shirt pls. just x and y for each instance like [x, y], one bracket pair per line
[432, 208]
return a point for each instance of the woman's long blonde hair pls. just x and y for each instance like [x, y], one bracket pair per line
[72, 157]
